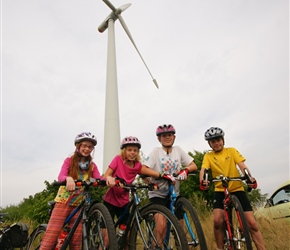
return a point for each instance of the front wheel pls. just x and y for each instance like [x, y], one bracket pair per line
[191, 224]
[144, 235]
[241, 238]
[35, 238]
[100, 228]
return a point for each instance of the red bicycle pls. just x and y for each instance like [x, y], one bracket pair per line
[236, 232]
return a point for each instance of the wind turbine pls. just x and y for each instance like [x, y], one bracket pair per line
[112, 124]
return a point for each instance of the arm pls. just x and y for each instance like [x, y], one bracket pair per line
[191, 167]
[204, 185]
[184, 172]
[110, 181]
[149, 172]
[96, 174]
[242, 167]
[63, 175]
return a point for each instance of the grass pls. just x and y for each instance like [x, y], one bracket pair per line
[276, 234]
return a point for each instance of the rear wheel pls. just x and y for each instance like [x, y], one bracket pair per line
[35, 238]
[100, 228]
[190, 224]
[241, 238]
[146, 237]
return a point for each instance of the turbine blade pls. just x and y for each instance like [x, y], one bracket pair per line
[132, 40]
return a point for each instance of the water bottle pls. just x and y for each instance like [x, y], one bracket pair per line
[121, 231]
[64, 233]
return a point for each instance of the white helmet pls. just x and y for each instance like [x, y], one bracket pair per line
[86, 136]
[213, 132]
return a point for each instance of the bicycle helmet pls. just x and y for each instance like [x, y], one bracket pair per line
[213, 132]
[130, 140]
[166, 128]
[86, 136]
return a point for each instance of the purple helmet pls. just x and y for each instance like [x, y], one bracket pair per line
[213, 132]
[166, 128]
[86, 136]
[130, 140]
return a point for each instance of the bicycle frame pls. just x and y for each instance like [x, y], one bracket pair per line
[173, 197]
[144, 232]
[134, 205]
[83, 209]
[227, 203]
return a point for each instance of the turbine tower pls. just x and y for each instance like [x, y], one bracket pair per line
[112, 124]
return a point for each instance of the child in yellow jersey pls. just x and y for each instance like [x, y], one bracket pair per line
[226, 161]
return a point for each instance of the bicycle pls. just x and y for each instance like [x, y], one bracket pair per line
[236, 232]
[141, 224]
[183, 209]
[95, 217]
[13, 236]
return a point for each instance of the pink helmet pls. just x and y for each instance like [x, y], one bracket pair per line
[166, 128]
[130, 140]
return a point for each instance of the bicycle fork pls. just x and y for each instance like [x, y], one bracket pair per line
[230, 236]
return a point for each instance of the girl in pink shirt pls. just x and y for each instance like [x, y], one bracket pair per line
[126, 165]
[77, 167]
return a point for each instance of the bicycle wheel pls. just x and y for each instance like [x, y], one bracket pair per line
[146, 237]
[239, 228]
[100, 228]
[190, 224]
[35, 238]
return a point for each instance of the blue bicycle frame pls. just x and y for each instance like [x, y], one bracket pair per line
[173, 197]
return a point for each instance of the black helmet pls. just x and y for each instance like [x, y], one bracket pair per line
[213, 132]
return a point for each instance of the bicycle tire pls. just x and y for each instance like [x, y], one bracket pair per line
[239, 226]
[198, 240]
[35, 238]
[177, 238]
[100, 219]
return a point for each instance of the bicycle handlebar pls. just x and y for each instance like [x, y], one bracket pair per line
[246, 177]
[80, 183]
[122, 183]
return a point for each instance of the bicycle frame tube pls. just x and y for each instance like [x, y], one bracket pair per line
[76, 223]
[173, 198]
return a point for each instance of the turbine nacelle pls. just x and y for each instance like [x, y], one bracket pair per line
[113, 15]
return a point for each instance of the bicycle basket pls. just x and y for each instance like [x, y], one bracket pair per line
[19, 234]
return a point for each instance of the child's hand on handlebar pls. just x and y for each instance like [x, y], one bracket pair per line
[182, 175]
[253, 184]
[204, 185]
[110, 181]
[70, 184]
[168, 177]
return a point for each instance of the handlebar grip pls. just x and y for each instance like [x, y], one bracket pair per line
[205, 175]
[248, 179]
[59, 183]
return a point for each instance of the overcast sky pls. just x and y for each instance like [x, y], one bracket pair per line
[218, 63]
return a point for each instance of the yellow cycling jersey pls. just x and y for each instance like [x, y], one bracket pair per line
[224, 163]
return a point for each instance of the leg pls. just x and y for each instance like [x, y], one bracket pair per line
[76, 241]
[54, 226]
[254, 230]
[161, 228]
[218, 220]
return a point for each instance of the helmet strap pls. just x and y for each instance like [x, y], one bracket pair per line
[167, 148]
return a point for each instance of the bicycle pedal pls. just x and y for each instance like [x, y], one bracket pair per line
[193, 243]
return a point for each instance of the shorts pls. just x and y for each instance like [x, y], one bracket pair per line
[241, 195]
[166, 203]
[118, 211]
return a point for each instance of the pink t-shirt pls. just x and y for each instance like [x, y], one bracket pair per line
[117, 196]
[65, 170]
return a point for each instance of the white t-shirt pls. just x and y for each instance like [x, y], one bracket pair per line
[170, 163]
